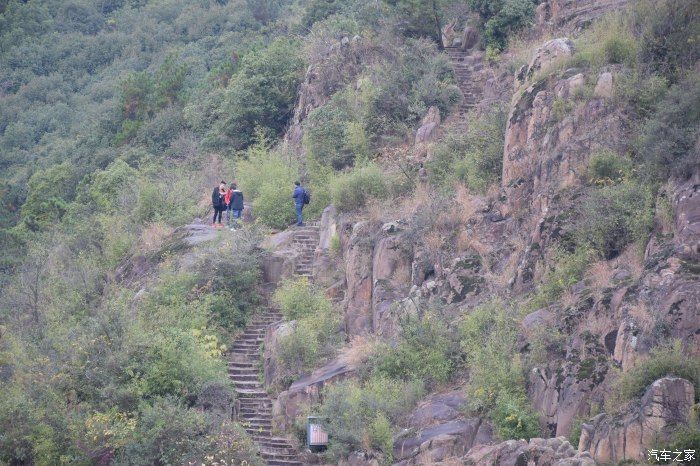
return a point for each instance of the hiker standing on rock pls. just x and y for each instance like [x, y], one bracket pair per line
[218, 203]
[235, 205]
[301, 198]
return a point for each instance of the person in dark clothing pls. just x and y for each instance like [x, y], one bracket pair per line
[235, 205]
[218, 203]
[298, 195]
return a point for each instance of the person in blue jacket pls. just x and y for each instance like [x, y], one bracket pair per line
[299, 197]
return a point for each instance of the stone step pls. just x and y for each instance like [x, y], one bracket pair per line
[259, 430]
[279, 456]
[244, 377]
[257, 423]
[276, 462]
[233, 365]
[267, 417]
[249, 341]
[257, 395]
[273, 443]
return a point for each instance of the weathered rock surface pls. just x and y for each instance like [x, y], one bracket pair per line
[664, 407]
[359, 278]
[428, 126]
[391, 276]
[437, 431]
[604, 86]
[306, 392]
[573, 14]
[550, 452]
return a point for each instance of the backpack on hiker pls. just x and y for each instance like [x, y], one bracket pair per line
[306, 198]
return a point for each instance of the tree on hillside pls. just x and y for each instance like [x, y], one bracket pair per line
[419, 18]
[500, 18]
[261, 95]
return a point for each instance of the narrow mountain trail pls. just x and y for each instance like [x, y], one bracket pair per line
[255, 405]
[465, 64]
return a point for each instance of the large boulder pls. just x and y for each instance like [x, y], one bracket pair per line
[545, 57]
[280, 256]
[428, 126]
[306, 392]
[664, 407]
[436, 430]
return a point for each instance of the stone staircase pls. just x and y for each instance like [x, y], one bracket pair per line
[465, 65]
[305, 240]
[255, 408]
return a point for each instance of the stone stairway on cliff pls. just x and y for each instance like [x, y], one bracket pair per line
[255, 405]
[305, 240]
[465, 65]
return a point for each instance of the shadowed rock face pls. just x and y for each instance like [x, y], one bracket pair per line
[664, 407]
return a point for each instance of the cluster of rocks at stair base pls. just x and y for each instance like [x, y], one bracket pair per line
[254, 407]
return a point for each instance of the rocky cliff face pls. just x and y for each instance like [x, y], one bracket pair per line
[558, 118]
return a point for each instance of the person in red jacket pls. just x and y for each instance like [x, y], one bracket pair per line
[227, 202]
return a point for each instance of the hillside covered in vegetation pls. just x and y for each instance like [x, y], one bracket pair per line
[502, 257]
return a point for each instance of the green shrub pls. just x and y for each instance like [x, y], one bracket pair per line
[503, 19]
[329, 132]
[313, 337]
[568, 270]
[575, 432]
[48, 194]
[317, 10]
[298, 299]
[667, 141]
[110, 188]
[169, 433]
[514, 418]
[177, 365]
[663, 361]
[640, 92]
[252, 101]
[496, 386]
[609, 41]
[612, 217]
[335, 248]
[381, 437]
[271, 195]
[668, 32]
[352, 190]
[353, 413]
[474, 157]
[230, 277]
[607, 167]
[426, 351]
